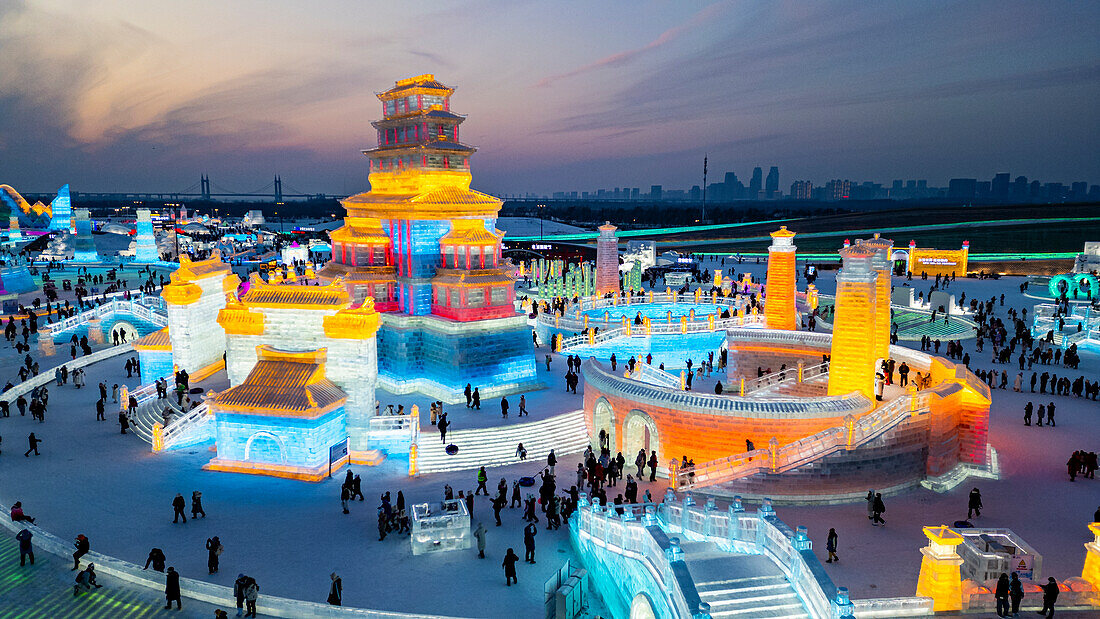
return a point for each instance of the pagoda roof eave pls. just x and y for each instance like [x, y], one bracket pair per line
[440, 146]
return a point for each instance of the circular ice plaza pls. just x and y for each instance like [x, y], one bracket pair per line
[402, 414]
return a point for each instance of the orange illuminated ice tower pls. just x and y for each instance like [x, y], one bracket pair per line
[425, 248]
[882, 263]
[607, 260]
[852, 364]
[779, 309]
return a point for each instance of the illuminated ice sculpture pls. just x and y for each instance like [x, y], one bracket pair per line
[145, 243]
[84, 248]
[424, 247]
[440, 526]
[607, 260]
[194, 298]
[854, 350]
[779, 307]
[282, 420]
[308, 318]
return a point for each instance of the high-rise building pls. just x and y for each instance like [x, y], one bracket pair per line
[962, 188]
[837, 189]
[999, 187]
[655, 192]
[756, 184]
[771, 185]
[802, 190]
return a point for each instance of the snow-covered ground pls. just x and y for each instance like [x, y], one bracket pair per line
[530, 226]
[290, 535]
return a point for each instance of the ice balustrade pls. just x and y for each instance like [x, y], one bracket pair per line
[659, 328]
[761, 533]
[775, 459]
[637, 535]
[47, 376]
[675, 399]
[650, 375]
[789, 376]
[149, 311]
[194, 426]
[394, 433]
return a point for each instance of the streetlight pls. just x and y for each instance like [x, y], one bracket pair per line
[540, 207]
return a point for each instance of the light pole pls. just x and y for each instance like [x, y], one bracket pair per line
[540, 207]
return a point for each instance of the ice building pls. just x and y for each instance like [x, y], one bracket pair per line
[195, 296]
[282, 420]
[308, 319]
[424, 247]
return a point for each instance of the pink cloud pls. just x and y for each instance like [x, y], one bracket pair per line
[623, 57]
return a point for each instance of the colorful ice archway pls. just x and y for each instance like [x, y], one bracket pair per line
[603, 418]
[1084, 283]
[640, 432]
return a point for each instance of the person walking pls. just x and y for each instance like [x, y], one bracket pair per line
[345, 496]
[442, 425]
[251, 592]
[172, 589]
[1000, 594]
[25, 550]
[479, 535]
[974, 504]
[214, 550]
[830, 545]
[196, 505]
[870, 499]
[551, 461]
[177, 509]
[468, 393]
[653, 465]
[482, 478]
[335, 590]
[529, 533]
[509, 565]
[33, 442]
[878, 509]
[238, 592]
[476, 396]
[82, 546]
[1050, 596]
[504, 407]
[1015, 593]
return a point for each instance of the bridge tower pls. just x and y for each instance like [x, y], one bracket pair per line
[204, 183]
[278, 189]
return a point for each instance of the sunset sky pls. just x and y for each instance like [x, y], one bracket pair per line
[147, 95]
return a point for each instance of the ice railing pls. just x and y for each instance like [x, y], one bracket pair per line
[632, 536]
[596, 377]
[762, 533]
[775, 459]
[195, 425]
[386, 432]
[654, 376]
[732, 302]
[47, 376]
[146, 310]
[655, 328]
[789, 376]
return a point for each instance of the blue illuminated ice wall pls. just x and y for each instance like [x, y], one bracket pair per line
[62, 209]
[475, 354]
[84, 249]
[155, 364]
[279, 440]
[416, 256]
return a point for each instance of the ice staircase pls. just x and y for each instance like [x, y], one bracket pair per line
[496, 446]
[150, 412]
[741, 586]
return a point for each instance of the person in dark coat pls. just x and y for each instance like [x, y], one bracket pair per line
[336, 590]
[529, 533]
[1001, 595]
[25, 550]
[476, 396]
[509, 565]
[1050, 596]
[172, 589]
[1015, 592]
[213, 551]
[877, 509]
[177, 508]
[156, 557]
[974, 504]
[830, 545]
[82, 545]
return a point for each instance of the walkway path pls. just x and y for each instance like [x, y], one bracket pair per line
[45, 590]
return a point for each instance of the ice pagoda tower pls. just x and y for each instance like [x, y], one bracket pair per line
[145, 243]
[425, 248]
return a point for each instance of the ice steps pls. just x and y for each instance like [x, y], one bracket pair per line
[149, 413]
[496, 446]
[741, 586]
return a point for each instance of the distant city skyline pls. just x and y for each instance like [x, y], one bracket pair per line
[144, 96]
